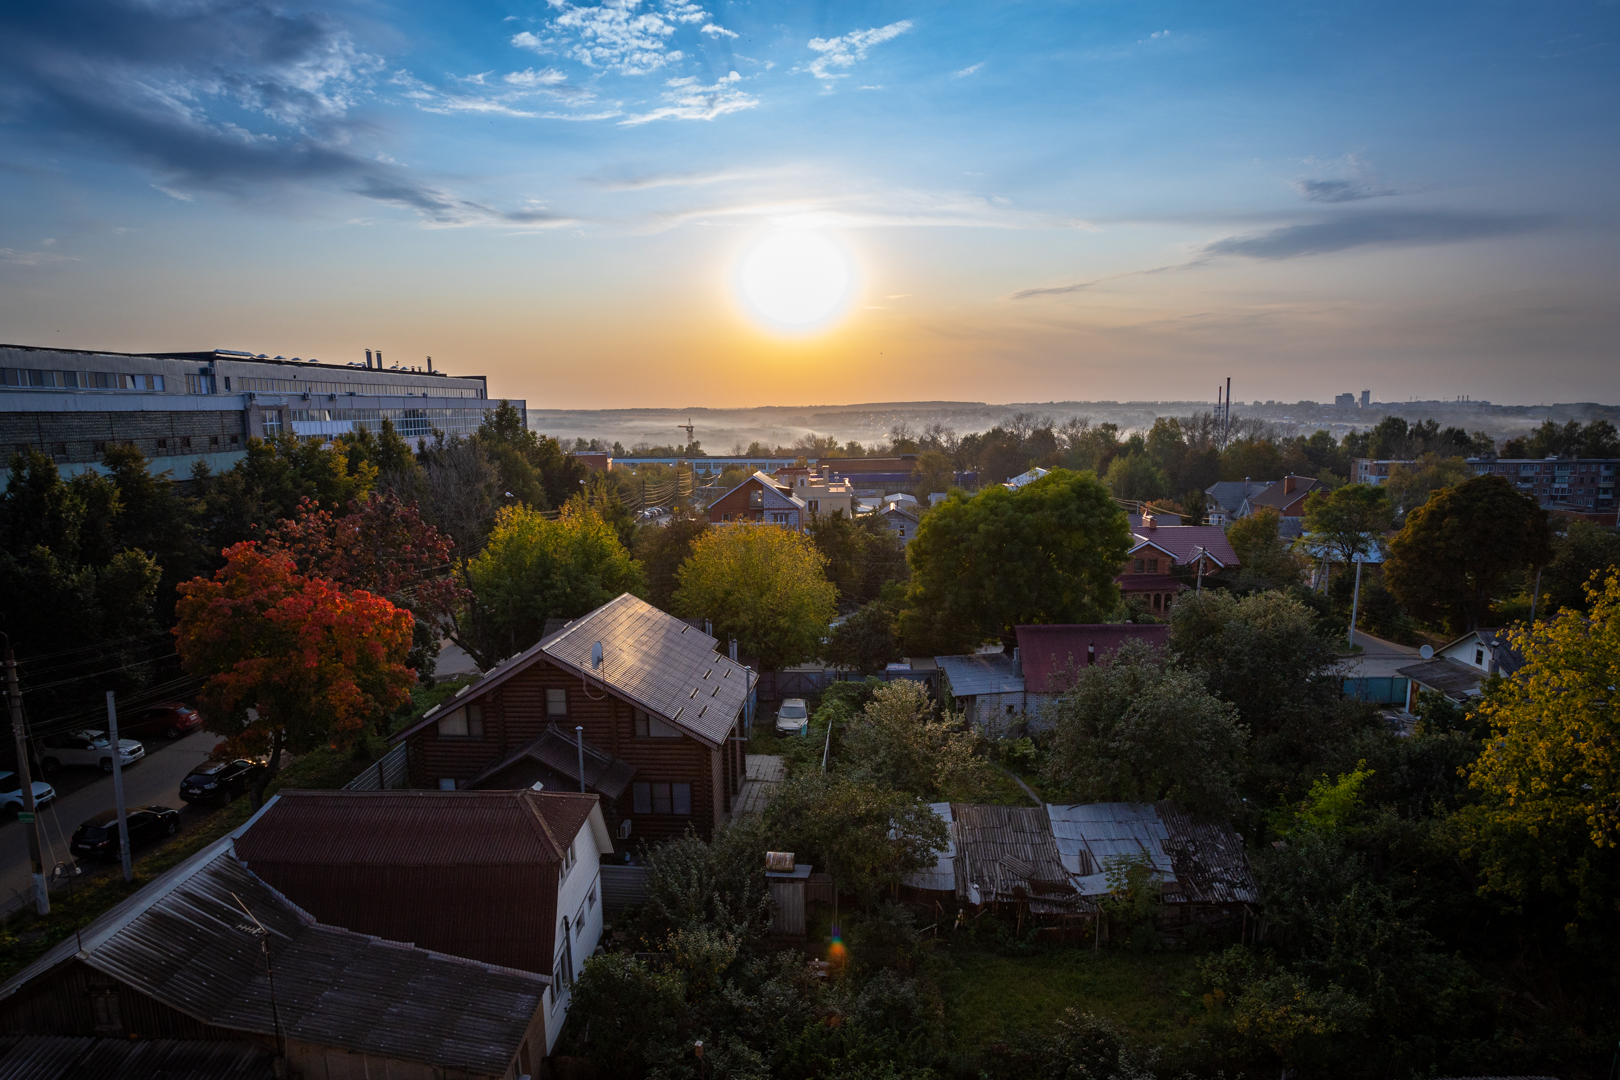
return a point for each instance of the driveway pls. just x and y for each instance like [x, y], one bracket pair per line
[154, 779]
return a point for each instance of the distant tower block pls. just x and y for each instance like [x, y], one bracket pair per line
[1366, 398]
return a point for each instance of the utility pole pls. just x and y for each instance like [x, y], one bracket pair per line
[118, 787]
[42, 896]
[1226, 432]
[1355, 601]
[1535, 598]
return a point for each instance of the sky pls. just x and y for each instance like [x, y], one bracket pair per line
[650, 203]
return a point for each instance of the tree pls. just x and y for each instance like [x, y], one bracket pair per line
[1549, 774]
[1260, 548]
[534, 468]
[289, 661]
[865, 836]
[866, 641]
[1410, 488]
[1457, 548]
[1596, 439]
[1350, 520]
[1046, 553]
[1140, 728]
[934, 471]
[863, 555]
[764, 586]
[897, 743]
[661, 549]
[1135, 476]
[535, 568]
[1580, 552]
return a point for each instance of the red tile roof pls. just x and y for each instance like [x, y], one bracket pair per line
[1181, 542]
[1048, 652]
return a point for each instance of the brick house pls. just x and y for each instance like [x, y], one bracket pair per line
[760, 499]
[1157, 549]
[644, 699]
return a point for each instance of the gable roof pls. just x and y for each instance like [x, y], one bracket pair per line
[1182, 542]
[179, 941]
[777, 493]
[984, 673]
[658, 662]
[1228, 495]
[1048, 652]
[1275, 497]
[558, 754]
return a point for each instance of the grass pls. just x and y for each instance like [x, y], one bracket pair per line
[1154, 997]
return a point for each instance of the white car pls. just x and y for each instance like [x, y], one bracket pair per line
[86, 748]
[793, 718]
[11, 798]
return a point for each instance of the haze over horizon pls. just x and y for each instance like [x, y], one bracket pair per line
[650, 204]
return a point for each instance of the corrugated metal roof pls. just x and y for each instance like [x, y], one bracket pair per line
[1089, 836]
[991, 673]
[558, 752]
[50, 1057]
[942, 878]
[417, 828]
[1210, 863]
[181, 941]
[1009, 853]
[659, 662]
[1452, 678]
[1047, 653]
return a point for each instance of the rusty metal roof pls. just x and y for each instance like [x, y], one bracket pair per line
[416, 828]
[1210, 863]
[183, 941]
[1009, 853]
[1049, 653]
[559, 753]
[61, 1057]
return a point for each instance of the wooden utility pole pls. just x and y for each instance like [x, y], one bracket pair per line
[29, 816]
[118, 787]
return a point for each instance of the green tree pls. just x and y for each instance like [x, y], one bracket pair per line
[1046, 553]
[1140, 728]
[1349, 521]
[866, 641]
[661, 549]
[534, 569]
[863, 555]
[1410, 487]
[533, 467]
[1261, 550]
[934, 471]
[1580, 553]
[1135, 476]
[896, 742]
[1456, 550]
[1549, 775]
[763, 585]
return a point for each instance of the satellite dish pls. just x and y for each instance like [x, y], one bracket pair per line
[1427, 652]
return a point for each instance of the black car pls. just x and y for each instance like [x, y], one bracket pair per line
[220, 781]
[99, 835]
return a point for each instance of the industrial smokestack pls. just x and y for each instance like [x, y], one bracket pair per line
[430, 365]
[379, 360]
[368, 359]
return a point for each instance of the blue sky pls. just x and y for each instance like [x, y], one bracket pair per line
[1123, 200]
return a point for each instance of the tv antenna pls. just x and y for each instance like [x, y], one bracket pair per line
[260, 931]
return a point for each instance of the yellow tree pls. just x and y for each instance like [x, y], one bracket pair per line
[1549, 775]
[764, 585]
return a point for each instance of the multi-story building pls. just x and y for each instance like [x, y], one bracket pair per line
[1571, 485]
[182, 408]
[823, 493]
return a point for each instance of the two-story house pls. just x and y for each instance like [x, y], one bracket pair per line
[643, 701]
[762, 500]
[1287, 497]
[1224, 500]
[501, 877]
[822, 493]
[1157, 549]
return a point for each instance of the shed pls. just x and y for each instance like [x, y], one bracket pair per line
[1006, 855]
[1090, 836]
[788, 899]
[988, 688]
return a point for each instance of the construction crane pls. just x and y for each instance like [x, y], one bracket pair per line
[688, 428]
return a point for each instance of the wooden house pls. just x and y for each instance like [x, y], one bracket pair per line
[642, 700]
[761, 500]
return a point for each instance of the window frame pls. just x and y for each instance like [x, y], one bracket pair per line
[555, 696]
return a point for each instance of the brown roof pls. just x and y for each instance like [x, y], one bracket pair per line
[469, 873]
[1288, 503]
[1182, 542]
[558, 753]
[1010, 854]
[1047, 653]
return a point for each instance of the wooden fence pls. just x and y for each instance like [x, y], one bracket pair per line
[623, 887]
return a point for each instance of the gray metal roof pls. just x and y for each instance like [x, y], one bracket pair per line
[1007, 851]
[991, 673]
[661, 663]
[1228, 495]
[1091, 835]
[942, 877]
[1210, 863]
[180, 941]
[61, 1057]
[1452, 678]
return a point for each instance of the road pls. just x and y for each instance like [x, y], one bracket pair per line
[154, 779]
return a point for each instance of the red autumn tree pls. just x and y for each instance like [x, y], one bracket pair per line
[381, 545]
[289, 661]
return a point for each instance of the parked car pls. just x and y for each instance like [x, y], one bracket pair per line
[793, 718]
[86, 748]
[99, 835]
[170, 720]
[11, 796]
[220, 781]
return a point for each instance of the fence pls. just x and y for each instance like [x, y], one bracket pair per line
[392, 770]
[1378, 689]
[622, 887]
[774, 685]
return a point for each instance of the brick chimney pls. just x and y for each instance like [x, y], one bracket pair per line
[1288, 483]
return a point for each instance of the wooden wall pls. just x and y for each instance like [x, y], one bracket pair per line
[59, 1003]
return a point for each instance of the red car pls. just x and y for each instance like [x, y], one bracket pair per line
[171, 721]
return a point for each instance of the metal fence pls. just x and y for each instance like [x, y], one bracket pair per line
[392, 770]
[774, 685]
[622, 887]
[1378, 689]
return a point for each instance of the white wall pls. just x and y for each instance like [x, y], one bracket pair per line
[581, 889]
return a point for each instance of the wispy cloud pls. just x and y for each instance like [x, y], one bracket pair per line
[965, 72]
[846, 50]
[718, 31]
[687, 100]
[1341, 233]
[873, 208]
[618, 35]
[518, 94]
[660, 180]
[1338, 191]
[32, 258]
[183, 196]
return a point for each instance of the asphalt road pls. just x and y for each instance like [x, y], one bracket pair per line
[154, 779]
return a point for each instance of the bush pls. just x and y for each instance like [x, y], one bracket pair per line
[693, 884]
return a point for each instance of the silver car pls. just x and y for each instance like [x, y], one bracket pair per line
[793, 718]
[86, 748]
[11, 799]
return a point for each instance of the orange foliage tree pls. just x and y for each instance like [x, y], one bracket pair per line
[290, 662]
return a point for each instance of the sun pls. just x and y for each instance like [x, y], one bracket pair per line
[795, 279]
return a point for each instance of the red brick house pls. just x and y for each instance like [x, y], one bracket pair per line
[762, 499]
[1158, 549]
[660, 714]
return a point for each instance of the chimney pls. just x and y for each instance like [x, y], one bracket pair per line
[368, 359]
[379, 359]
[1288, 484]
[734, 650]
[1148, 521]
[430, 365]
[1018, 663]
[1091, 655]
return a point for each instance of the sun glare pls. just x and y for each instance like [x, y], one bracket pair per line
[795, 279]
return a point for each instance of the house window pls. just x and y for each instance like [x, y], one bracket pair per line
[778, 519]
[446, 784]
[590, 899]
[1139, 565]
[556, 702]
[464, 723]
[104, 1004]
[650, 727]
[579, 920]
[236, 440]
[99, 446]
[675, 799]
[185, 442]
[1153, 566]
[213, 440]
[815, 506]
[564, 975]
[1479, 657]
[163, 444]
[568, 862]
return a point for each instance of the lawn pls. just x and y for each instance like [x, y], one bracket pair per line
[1154, 997]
